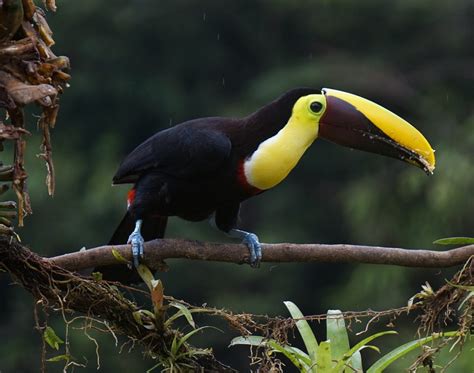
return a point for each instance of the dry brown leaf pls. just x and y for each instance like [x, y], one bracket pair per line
[157, 295]
[29, 8]
[30, 72]
[51, 5]
[23, 93]
[43, 28]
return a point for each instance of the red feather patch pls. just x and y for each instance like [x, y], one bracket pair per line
[130, 197]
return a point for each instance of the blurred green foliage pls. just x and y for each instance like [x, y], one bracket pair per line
[140, 66]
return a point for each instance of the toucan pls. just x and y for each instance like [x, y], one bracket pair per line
[204, 168]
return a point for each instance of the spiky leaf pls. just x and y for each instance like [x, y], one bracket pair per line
[183, 311]
[324, 363]
[404, 349]
[359, 346]
[337, 334]
[455, 241]
[305, 331]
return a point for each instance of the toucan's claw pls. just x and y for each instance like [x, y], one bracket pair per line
[252, 242]
[255, 248]
[137, 242]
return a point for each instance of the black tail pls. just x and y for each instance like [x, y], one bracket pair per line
[152, 227]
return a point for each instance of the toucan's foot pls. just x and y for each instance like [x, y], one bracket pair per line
[137, 242]
[255, 248]
[253, 243]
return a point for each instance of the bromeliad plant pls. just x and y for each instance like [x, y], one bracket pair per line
[333, 355]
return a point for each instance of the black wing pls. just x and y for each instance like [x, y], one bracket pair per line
[183, 151]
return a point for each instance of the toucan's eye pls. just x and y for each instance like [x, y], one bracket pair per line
[316, 107]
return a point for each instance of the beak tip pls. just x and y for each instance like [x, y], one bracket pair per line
[428, 165]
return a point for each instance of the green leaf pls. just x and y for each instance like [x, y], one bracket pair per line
[455, 241]
[57, 358]
[137, 316]
[355, 363]
[303, 356]
[305, 331]
[146, 276]
[174, 344]
[469, 296]
[290, 354]
[52, 338]
[119, 256]
[324, 363]
[337, 334]
[183, 339]
[178, 314]
[145, 318]
[183, 311]
[258, 341]
[249, 340]
[359, 346]
[463, 287]
[404, 349]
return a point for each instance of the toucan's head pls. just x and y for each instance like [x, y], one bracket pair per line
[355, 122]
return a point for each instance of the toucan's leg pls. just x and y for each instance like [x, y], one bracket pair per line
[252, 242]
[225, 219]
[137, 242]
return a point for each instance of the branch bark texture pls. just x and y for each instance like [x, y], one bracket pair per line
[158, 250]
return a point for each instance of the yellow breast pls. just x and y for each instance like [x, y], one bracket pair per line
[277, 156]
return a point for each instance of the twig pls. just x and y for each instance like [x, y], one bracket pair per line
[158, 250]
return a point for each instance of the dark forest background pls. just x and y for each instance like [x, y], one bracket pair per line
[142, 65]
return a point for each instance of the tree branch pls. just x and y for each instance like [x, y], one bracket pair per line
[158, 250]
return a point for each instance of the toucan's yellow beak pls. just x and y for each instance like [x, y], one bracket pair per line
[358, 123]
